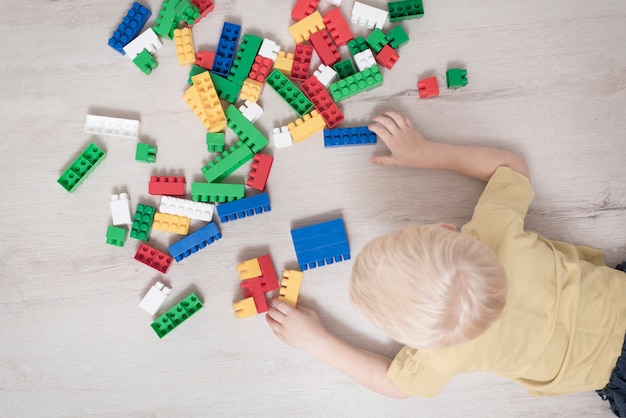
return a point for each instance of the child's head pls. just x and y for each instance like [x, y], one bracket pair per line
[429, 286]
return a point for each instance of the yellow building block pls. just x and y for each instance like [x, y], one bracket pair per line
[284, 62]
[251, 90]
[302, 30]
[171, 223]
[290, 287]
[184, 46]
[192, 98]
[245, 308]
[249, 269]
[210, 101]
[306, 126]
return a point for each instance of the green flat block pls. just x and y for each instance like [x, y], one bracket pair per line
[357, 45]
[397, 37]
[405, 10]
[179, 313]
[248, 49]
[362, 81]
[146, 153]
[142, 222]
[376, 40]
[456, 78]
[81, 168]
[344, 68]
[289, 92]
[116, 236]
[228, 162]
[245, 130]
[215, 141]
[226, 89]
[216, 192]
[145, 62]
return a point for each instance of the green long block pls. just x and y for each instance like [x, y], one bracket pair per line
[167, 20]
[179, 313]
[142, 222]
[289, 92]
[405, 10]
[226, 163]
[216, 192]
[362, 81]
[226, 89]
[116, 236]
[248, 49]
[357, 45]
[81, 168]
[245, 130]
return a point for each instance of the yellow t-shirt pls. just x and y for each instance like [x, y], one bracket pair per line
[563, 325]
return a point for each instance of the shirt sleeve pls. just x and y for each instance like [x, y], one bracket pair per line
[412, 372]
[506, 189]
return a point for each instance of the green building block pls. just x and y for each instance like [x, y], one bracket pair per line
[245, 130]
[344, 68]
[226, 163]
[142, 222]
[215, 141]
[177, 315]
[456, 78]
[216, 192]
[362, 81]
[187, 12]
[81, 168]
[289, 92]
[146, 153]
[145, 62]
[226, 89]
[376, 40]
[397, 37]
[167, 20]
[404, 10]
[248, 49]
[116, 235]
[357, 45]
[195, 70]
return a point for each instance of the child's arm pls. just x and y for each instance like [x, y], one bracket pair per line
[301, 328]
[410, 149]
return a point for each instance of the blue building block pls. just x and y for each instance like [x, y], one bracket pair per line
[130, 27]
[321, 244]
[226, 49]
[242, 208]
[342, 137]
[194, 242]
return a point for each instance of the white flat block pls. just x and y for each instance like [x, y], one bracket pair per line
[269, 49]
[325, 74]
[282, 137]
[147, 40]
[125, 128]
[120, 209]
[155, 297]
[368, 16]
[252, 111]
[188, 208]
[365, 59]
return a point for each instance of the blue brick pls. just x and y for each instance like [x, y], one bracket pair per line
[343, 137]
[130, 27]
[321, 244]
[194, 242]
[242, 208]
[226, 49]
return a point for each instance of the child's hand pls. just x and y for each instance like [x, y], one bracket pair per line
[406, 144]
[299, 327]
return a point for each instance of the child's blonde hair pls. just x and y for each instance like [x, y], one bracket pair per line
[427, 286]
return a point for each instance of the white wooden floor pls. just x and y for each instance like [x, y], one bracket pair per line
[547, 79]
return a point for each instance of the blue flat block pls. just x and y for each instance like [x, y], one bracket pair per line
[194, 242]
[326, 255]
[245, 207]
[321, 244]
[226, 49]
[130, 27]
[317, 229]
[345, 137]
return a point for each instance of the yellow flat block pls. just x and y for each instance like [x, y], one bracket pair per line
[302, 30]
[284, 62]
[249, 269]
[306, 126]
[192, 98]
[251, 90]
[245, 308]
[290, 287]
[184, 46]
[210, 101]
[171, 223]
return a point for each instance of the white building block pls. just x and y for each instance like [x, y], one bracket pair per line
[335, 2]
[155, 298]
[282, 137]
[252, 111]
[188, 208]
[125, 128]
[147, 40]
[365, 59]
[120, 209]
[269, 49]
[325, 74]
[368, 16]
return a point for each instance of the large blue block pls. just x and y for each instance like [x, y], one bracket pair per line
[196, 241]
[226, 49]
[130, 27]
[242, 208]
[321, 244]
[343, 137]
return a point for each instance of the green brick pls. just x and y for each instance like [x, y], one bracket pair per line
[145, 153]
[142, 222]
[245, 130]
[404, 10]
[116, 236]
[216, 192]
[344, 68]
[178, 314]
[362, 81]
[167, 20]
[187, 12]
[215, 141]
[357, 45]
[289, 92]
[376, 40]
[456, 78]
[397, 37]
[145, 62]
[226, 163]
[248, 49]
[82, 167]
[226, 89]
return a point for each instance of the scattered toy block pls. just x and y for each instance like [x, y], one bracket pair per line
[242, 208]
[337, 27]
[323, 103]
[248, 134]
[82, 167]
[249, 269]
[129, 28]
[301, 62]
[269, 49]
[290, 287]
[289, 92]
[194, 242]
[142, 222]
[397, 37]
[282, 137]
[209, 101]
[364, 60]
[260, 171]
[145, 153]
[325, 47]
[261, 67]
[325, 74]
[188, 208]
[166, 185]
[245, 308]
[148, 40]
[248, 49]
[306, 126]
[344, 68]
[145, 62]
[226, 89]
[456, 78]
[357, 45]
[368, 16]
[251, 111]
[185, 51]
[155, 297]
[342, 137]
[284, 62]
[187, 12]
[215, 141]
[321, 244]
[404, 10]
[177, 315]
[120, 209]
[167, 20]
[251, 90]
[204, 7]
[387, 57]
[167, 222]
[216, 192]
[226, 48]
[303, 8]
[428, 87]
[205, 59]
[154, 258]
[269, 280]
[362, 81]
[116, 236]
[302, 30]
[252, 288]
[103, 125]
[226, 163]
[377, 40]
[195, 70]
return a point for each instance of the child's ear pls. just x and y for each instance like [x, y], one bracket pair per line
[448, 226]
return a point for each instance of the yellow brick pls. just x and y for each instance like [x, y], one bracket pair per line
[192, 98]
[284, 62]
[171, 223]
[251, 90]
[306, 126]
[249, 269]
[245, 308]
[302, 30]
[210, 101]
[184, 46]
[290, 287]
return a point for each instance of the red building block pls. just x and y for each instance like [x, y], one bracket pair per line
[387, 57]
[301, 62]
[204, 6]
[338, 27]
[260, 171]
[153, 258]
[428, 87]
[333, 116]
[260, 68]
[303, 8]
[167, 186]
[268, 278]
[322, 101]
[253, 288]
[325, 47]
[205, 59]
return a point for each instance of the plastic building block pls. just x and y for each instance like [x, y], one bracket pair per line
[245, 130]
[251, 90]
[216, 192]
[167, 20]
[269, 281]
[338, 27]
[204, 7]
[187, 11]
[145, 62]
[226, 163]
[103, 125]
[365, 59]
[357, 45]
[325, 47]
[166, 186]
[177, 315]
[303, 8]
[344, 68]
[81, 168]
[343, 137]
[282, 137]
[215, 141]
[130, 27]
[205, 59]
[184, 46]
[290, 287]
[116, 236]
[253, 288]
[322, 101]
[260, 171]
[203, 99]
[226, 48]
[362, 81]
[428, 87]
[289, 92]
[325, 75]
[376, 40]
[245, 308]
[306, 126]
[146, 153]
[194, 242]
[284, 62]
[456, 78]
[195, 70]
[242, 208]
[397, 37]
[242, 63]
[249, 269]
[261, 67]
[148, 40]
[226, 89]
[142, 222]
[153, 258]
[302, 30]
[269, 49]
[251, 111]
[301, 62]
[188, 208]
[368, 16]
[387, 57]
[321, 244]
[404, 10]
[167, 222]
[120, 209]
[155, 297]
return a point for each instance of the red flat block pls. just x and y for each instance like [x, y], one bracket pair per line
[303, 8]
[269, 281]
[260, 171]
[301, 62]
[167, 186]
[260, 68]
[322, 101]
[325, 47]
[387, 57]
[338, 27]
[428, 87]
[153, 258]
[205, 59]
[253, 288]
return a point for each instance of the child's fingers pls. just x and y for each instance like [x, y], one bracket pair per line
[381, 132]
[399, 119]
[276, 315]
[282, 307]
[383, 160]
[274, 325]
[389, 123]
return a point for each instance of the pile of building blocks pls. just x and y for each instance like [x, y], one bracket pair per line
[257, 277]
[455, 79]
